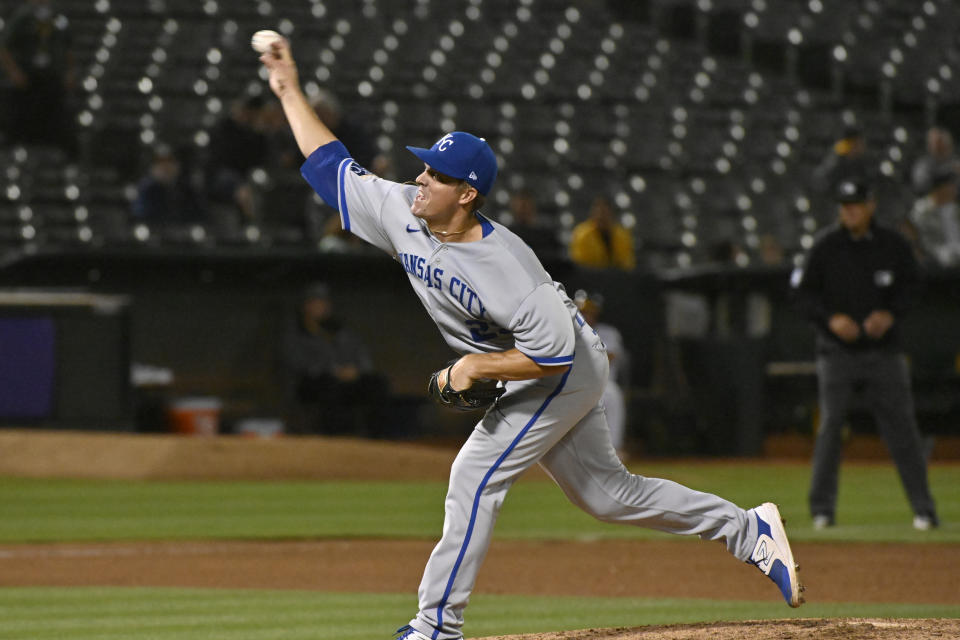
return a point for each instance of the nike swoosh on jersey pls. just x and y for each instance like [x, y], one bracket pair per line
[411, 229]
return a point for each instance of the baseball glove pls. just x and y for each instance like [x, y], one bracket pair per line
[481, 395]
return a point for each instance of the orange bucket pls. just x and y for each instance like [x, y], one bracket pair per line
[195, 416]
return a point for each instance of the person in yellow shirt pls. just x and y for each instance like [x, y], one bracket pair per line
[600, 242]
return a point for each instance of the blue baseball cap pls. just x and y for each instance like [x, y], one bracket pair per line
[462, 156]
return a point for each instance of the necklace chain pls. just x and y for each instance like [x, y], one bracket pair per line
[447, 233]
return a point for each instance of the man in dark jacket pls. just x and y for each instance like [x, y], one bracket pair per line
[36, 56]
[857, 282]
[331, 373]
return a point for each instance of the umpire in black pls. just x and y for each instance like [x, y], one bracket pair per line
[857, 282]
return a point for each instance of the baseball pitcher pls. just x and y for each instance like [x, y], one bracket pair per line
[519, 334]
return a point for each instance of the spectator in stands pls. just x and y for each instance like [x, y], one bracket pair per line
[771, 251]
[600, 242]
[330, 371]
[353, 135]
[938, 157]
[36, 56]
[238, 145]
[936, 219]
[614, 400]
[908, 230]
[858, 282]
[541, 237]
[165, 194]
[847, 160]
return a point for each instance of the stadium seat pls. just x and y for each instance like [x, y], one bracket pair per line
[659, 93]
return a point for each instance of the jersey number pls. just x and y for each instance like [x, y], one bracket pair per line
[480, 330]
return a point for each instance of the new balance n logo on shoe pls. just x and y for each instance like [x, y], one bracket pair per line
[762, 555]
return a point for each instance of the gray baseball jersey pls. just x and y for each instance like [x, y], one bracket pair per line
[491, 295]
[484, 296]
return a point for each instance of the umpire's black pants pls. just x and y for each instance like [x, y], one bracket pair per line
[886, 383]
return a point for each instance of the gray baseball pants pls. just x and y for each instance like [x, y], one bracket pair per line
[559, 423]
[886, 382]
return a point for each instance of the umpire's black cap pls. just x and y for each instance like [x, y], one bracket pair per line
[853, 190]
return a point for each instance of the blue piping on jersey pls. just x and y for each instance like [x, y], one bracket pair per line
[485, 224]
[322, 170]
[341, 194]
[556, 360]
[476, 498]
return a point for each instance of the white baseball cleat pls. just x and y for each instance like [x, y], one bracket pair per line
[772, 553]
[925, 522]
[407, 632]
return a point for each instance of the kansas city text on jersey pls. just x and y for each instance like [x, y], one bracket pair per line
[433, 277]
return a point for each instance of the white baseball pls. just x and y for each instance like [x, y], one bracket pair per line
[262, 40]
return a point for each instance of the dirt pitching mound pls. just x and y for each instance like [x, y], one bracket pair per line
[803, 629]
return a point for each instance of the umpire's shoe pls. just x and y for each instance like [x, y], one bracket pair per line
[772, 553]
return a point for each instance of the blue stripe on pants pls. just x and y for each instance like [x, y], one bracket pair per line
[476, 498]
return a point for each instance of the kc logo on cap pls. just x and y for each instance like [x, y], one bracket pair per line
[462, 156]
[445, 142]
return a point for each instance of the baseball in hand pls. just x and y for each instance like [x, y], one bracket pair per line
[262, 40]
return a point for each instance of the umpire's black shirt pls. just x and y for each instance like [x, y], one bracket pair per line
[856, 277]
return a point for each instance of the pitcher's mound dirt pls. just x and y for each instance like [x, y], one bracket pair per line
[803, 629]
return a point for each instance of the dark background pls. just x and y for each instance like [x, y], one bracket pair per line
[216, 319]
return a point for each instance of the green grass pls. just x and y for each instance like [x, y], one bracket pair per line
[214, 614]
[84, 510]
[872, 507]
